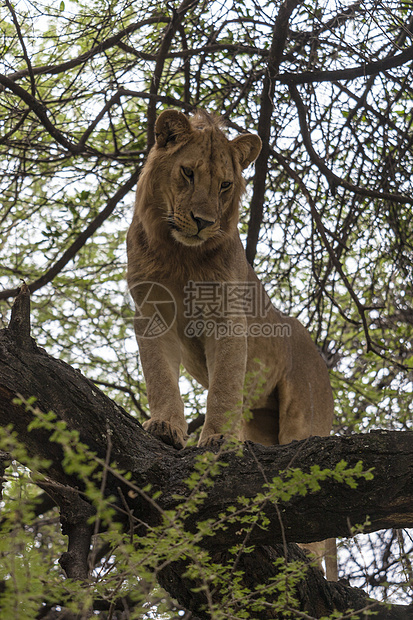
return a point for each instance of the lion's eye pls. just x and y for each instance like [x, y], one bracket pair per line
[188, 173]
[225, 185]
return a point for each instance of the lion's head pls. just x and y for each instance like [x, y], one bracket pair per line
[193, 178]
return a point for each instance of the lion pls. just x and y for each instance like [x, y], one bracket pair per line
[213, 314]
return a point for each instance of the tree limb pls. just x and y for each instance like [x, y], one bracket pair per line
[369, 68]
[279, 36]
[177, 17]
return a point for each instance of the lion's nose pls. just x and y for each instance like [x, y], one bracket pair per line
[201, 223]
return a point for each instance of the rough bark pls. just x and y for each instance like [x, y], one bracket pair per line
[316, 596]
[387, 500]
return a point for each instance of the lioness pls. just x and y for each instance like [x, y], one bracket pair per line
[184, 236]
[186, 261]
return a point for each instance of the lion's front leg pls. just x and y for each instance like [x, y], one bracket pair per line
[226, 359]
[160, 359]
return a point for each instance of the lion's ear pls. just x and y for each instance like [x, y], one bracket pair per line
[171, 126]
[247, 148]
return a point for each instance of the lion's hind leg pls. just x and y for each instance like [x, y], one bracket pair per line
[330, 559]
[325, 550]
[262, 427]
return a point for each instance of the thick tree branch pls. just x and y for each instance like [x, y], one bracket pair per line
[369, 68]
[264, 124]
[20, 319]
[75, 514]
[177, 17]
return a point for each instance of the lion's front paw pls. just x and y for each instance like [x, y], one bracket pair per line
[210, 441]
[169, 434]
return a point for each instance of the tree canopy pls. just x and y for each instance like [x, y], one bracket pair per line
[327, 218]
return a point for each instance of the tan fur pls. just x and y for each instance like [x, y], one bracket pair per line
[185, 229]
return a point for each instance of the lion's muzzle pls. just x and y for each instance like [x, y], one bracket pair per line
[201, 223]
